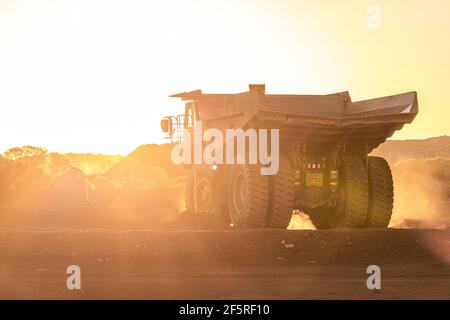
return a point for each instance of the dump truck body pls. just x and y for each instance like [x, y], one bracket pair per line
[317, 120]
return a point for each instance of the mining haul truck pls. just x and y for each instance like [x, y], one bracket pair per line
[324, 171]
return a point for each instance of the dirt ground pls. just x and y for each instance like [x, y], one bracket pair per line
[224, 264]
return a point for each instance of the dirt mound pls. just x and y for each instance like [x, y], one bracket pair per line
[157, 155]
[132, 174]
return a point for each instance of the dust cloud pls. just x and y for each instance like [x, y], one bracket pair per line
[421, 193]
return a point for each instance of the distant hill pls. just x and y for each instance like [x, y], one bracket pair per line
[158, 156]
[393, 150]
[398, 150]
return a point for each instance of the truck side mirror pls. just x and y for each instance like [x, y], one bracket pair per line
[166, 125]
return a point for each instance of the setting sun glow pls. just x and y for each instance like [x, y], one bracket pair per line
[94, 76]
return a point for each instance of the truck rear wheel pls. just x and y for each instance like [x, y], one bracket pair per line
[381, 193]
[353, 195]
[248, 196]
[282, 196]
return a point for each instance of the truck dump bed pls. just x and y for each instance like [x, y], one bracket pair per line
[315, 120]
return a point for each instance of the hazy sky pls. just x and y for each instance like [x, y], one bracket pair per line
[95, 75]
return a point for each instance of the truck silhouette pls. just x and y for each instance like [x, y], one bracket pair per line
[324, 167]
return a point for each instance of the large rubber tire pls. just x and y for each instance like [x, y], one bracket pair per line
[353, 195]
[201, 178]
[381, 193]
[248, 196]
[282, 196]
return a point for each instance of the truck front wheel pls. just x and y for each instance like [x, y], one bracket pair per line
[248, 196]
[282, 196]
[199, 197]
